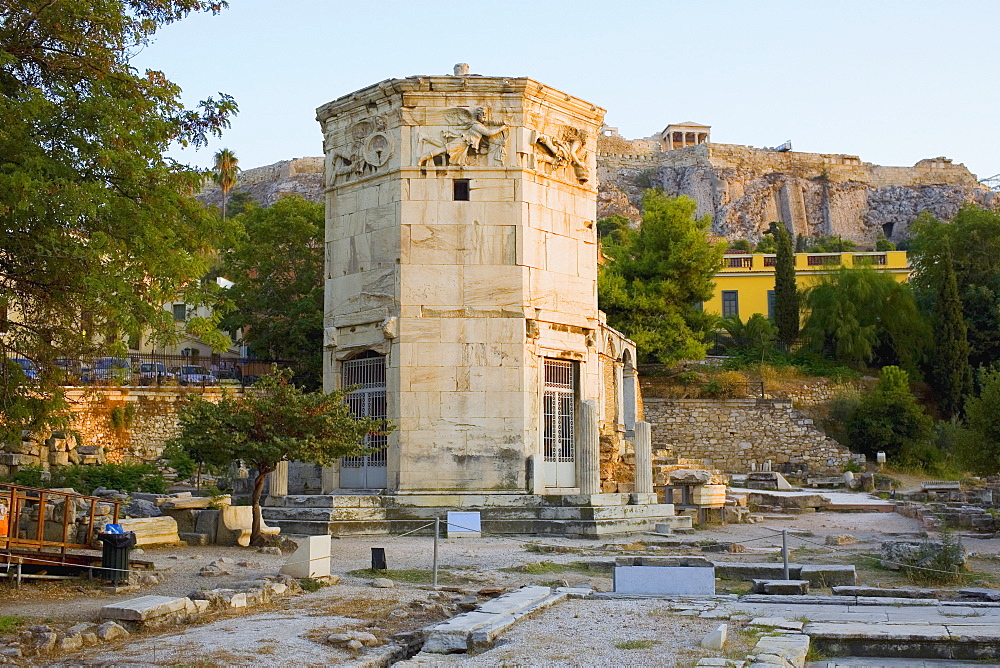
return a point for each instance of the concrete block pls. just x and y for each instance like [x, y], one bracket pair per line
[310, 560]
[143, 608]
[716, 639]
[664, 580]
[516, 601]
[207, 522]
[829, 575]
[194, 538]
[780, 587]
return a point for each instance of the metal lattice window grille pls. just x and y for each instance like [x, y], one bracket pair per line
[367, 376]
[557, 408]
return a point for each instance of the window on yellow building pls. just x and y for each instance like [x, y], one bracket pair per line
[730, 303]
[770, 304]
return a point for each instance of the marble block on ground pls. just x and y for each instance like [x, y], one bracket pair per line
[664, 580]
[310, 560]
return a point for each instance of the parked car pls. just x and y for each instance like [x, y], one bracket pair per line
[111, 370]
[27, 366]
[154, 373]
[192, 374]
[71, 371]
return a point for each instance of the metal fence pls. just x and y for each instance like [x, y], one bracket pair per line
[149, 369]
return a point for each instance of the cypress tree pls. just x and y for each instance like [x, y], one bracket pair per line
[951, 372]
[786, 295]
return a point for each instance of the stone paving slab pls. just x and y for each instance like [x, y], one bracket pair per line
[143, 608]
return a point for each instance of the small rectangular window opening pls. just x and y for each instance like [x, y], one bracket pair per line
[461, 190]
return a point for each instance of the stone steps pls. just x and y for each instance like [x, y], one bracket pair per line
[914, 641]
[342, 515]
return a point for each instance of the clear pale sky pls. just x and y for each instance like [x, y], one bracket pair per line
[890, 81]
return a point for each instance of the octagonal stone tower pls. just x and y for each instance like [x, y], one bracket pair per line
[461, 297]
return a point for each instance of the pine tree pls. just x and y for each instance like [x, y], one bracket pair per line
[951, 372]
[786, 294]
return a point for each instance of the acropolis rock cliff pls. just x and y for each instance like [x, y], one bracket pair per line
[742, 188]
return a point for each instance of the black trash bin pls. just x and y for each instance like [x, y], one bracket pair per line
[114, 557]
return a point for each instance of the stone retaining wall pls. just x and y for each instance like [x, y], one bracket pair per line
[733, 434]
[94, 437]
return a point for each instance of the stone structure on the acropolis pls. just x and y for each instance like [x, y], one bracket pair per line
[744, 189]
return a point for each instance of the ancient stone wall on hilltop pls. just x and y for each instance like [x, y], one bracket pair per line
[298, 176]
[743, 189]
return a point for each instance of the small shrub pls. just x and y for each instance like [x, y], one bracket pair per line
[311, 584]
[726, 385]
[936, 564]
[853, 467]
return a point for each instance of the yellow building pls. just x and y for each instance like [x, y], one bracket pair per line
[745, 284]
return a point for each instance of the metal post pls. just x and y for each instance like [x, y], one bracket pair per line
[784, 551]
[19, 562]
[437, 531]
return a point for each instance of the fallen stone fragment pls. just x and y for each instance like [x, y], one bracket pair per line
[69, 643]
[111, 631]
[842, 539]
[383, 583]
[716, 639]
[354, 644]
[776, 623]
[270, 550]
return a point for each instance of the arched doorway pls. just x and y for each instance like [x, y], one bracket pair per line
[365, 373]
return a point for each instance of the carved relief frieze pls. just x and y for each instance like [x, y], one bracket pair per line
[470, 137]
[564, 152]
[369, 147]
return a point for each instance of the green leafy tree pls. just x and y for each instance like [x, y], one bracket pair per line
[889, 419]
[767, 243]
[950, 371]
[981, 446]
[786, 291]
[859, 316]
[274, 421]
[974, 240]
[98, 228]
[613, 228]
[227, 166]
[277, 296]
[655, 277]
[741, 245]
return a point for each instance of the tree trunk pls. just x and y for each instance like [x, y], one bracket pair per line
[258, 490]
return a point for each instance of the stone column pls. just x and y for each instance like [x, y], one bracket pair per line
[588, 449]
[279, 480]
[643, 459]
[537, 473]
[329, 478]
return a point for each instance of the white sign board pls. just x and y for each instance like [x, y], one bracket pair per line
[664, 580]
[464, 525]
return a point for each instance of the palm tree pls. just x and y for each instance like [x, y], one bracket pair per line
[224, 173]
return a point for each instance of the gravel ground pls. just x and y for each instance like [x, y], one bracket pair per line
[572, 633]
[597, 633]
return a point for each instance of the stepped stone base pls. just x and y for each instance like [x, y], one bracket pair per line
[571, 515]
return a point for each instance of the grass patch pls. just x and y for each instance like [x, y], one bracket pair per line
[10, 623]
[411, 575]
[636, 644]
[546, 567]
